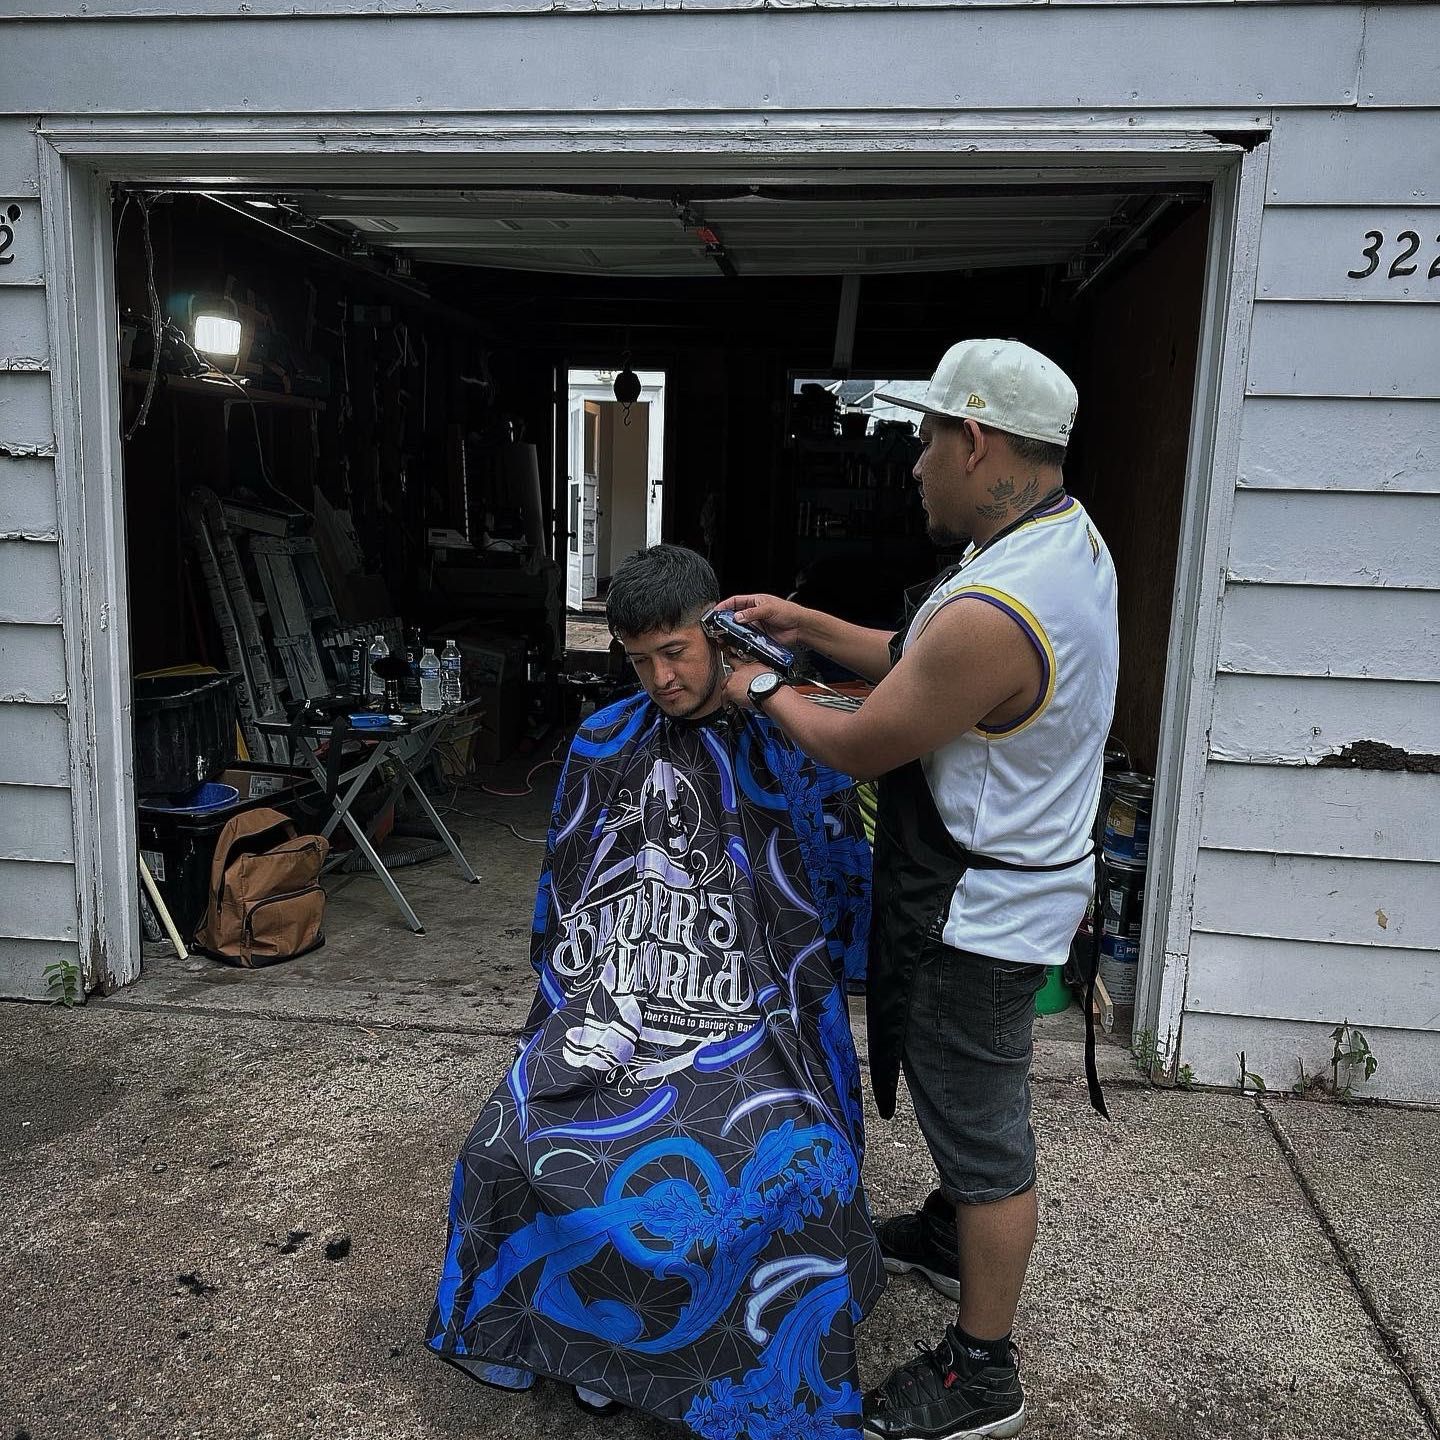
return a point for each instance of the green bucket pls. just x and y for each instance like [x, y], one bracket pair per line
[1054, 995]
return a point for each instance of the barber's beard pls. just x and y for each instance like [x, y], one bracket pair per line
[943, 537]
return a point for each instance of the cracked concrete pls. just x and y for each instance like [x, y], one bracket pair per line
[227, 1195]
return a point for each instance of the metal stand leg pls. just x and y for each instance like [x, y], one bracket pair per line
[386, 878]
[408, 764]
[356, 779]
[441, 830]
[360, 775]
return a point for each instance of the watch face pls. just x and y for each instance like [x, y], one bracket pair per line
[763, 686]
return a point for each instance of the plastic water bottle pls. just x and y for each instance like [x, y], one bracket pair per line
[430, 680]
[451, 696]
[374, 683]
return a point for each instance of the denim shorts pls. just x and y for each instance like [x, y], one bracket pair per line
[966, 1059]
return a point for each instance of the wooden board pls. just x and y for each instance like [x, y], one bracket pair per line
[36, 824]
[1337, 539]
[30, 590]
[1409, 1060]
[38, 901]
[1321, 252]
[1121, 57]
[32, 663]
[1336, 349]
[25, 419]
[1289, 720]
[24, 336]
[1312, 810]
[27, 497]
[1350, 157]
[1302, 630]
[19, 155]
[1303, 980]
[1289, 443]
[34, 745]
[22, 246]
[23, 964]
[1401, 64]
[1385, 903]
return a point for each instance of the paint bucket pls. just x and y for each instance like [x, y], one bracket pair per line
[1127, 799]
[1120, 901]
[1122, 896]
[1119, 965]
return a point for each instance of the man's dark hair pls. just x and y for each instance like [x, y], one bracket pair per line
[1036, 452]
[659, 589]
[1033, 452]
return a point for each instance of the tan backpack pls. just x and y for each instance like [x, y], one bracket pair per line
[265, 901]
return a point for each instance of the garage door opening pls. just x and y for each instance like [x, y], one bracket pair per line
[420, 421]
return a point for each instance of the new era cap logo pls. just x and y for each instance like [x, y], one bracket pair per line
[974, 403]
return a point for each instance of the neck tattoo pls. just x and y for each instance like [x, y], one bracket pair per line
[1010, 499]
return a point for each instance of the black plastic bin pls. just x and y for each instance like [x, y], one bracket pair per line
[179, 848]
[184, 729]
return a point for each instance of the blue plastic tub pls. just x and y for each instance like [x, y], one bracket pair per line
[202, 800]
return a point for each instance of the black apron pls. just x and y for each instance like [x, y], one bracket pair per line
[918, 864]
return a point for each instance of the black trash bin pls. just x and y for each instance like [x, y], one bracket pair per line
[184, 729]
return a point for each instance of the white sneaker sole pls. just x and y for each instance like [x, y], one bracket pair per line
[947, 1285]
[996, 1430]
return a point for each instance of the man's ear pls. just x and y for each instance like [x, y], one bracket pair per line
[979, 448]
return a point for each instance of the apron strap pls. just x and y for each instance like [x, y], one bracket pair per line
[1092, 971]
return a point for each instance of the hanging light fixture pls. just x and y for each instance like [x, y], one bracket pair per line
[627, 388]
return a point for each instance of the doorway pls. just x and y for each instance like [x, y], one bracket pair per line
[615, 488]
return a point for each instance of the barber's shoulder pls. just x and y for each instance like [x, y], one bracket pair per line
[975, 620]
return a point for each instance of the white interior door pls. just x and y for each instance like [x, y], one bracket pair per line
[642, 514]
[589, 587]
[575, 500]
[654, 395]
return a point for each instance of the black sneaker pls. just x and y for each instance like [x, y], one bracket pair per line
[924, 1241]
[947, 1394]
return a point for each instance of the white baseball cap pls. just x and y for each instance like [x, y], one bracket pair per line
[1002, 384]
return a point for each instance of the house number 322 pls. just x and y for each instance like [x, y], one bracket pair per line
[1409, 243]
[7, 233]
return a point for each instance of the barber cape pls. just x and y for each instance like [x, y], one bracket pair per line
[661, 1201]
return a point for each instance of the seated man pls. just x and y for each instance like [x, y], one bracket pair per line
[660, 1203]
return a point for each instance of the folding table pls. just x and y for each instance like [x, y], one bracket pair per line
[406, 746]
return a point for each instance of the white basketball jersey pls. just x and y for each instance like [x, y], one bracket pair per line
[1027, 792]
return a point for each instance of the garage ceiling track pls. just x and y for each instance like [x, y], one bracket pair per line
[764, 230]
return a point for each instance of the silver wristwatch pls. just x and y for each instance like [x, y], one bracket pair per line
[762, 687]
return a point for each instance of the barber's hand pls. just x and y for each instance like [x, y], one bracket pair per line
[781, 620]
[737, 687]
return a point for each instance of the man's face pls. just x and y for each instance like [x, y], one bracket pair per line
[941, 471]
[680, 669]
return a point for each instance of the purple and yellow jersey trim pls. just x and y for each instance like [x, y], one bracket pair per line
[1025, 618]
[1062, 509]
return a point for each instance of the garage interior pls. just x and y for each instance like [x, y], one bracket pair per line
[401, 417]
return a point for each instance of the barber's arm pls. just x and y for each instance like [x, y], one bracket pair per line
[970, 661]
[866, 652]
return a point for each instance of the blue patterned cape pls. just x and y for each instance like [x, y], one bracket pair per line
[661, 1201]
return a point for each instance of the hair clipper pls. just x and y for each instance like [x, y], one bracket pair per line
[725, 630]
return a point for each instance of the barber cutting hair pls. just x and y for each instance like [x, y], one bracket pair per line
[987, 727]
